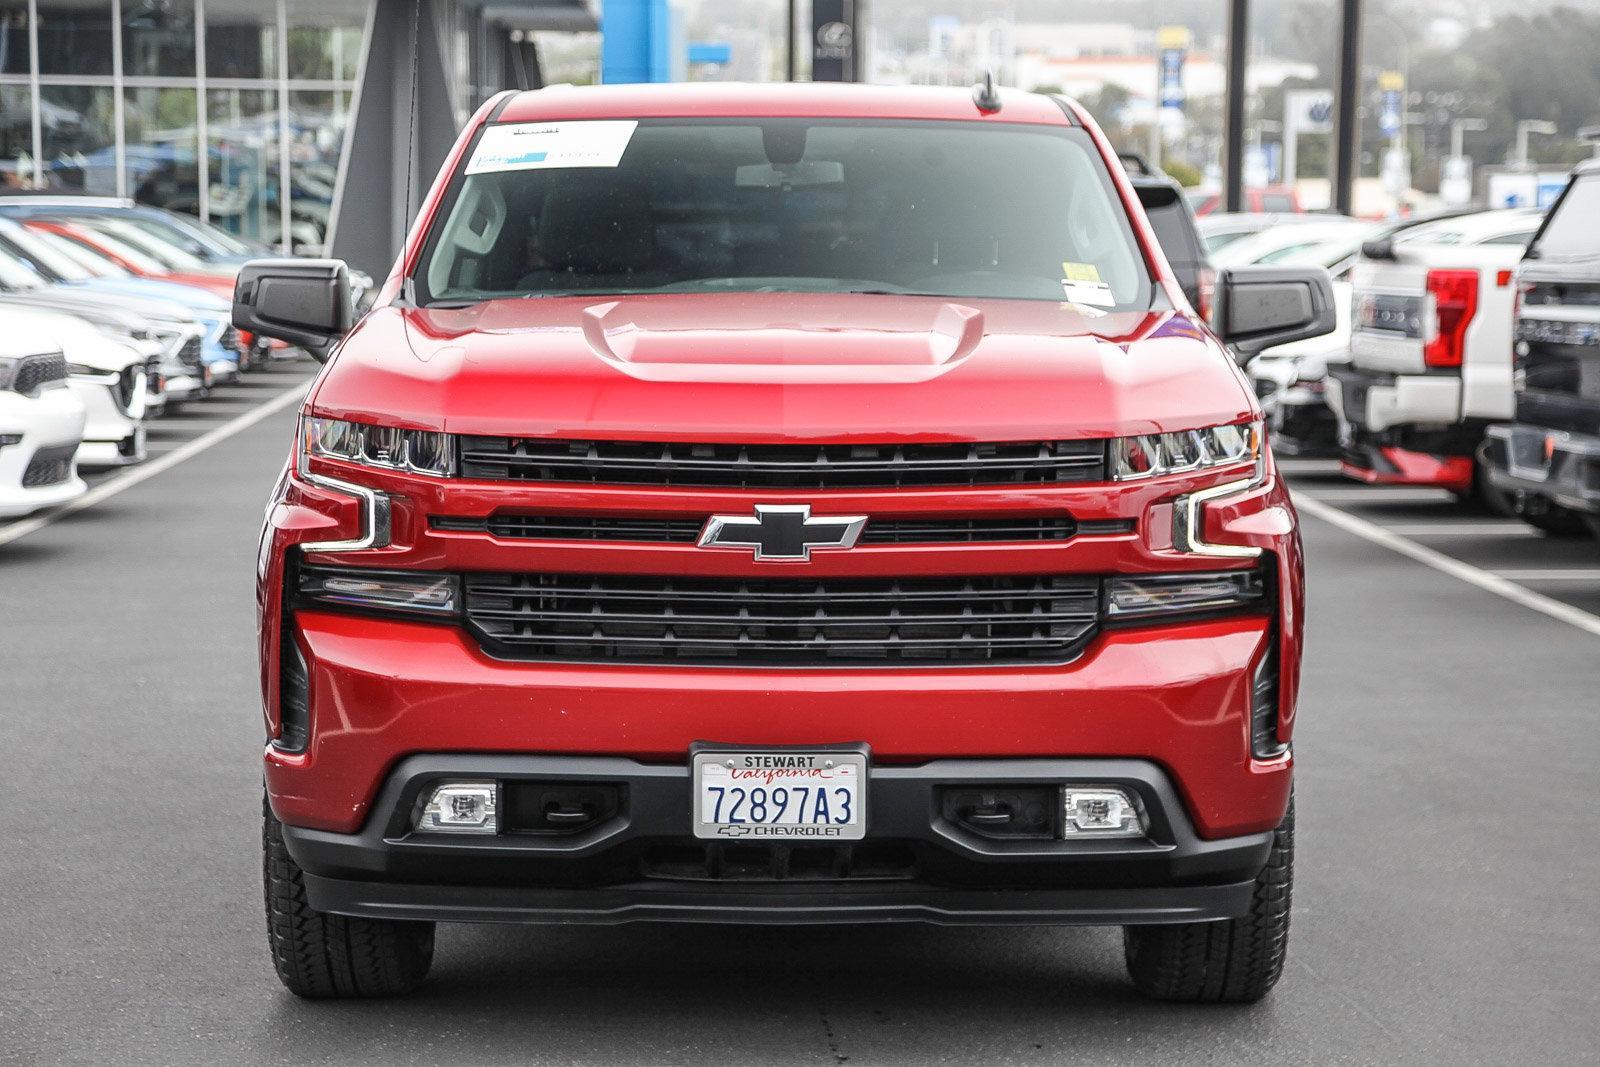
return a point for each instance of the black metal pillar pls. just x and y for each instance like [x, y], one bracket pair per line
[1233, 131]
[1347, 108]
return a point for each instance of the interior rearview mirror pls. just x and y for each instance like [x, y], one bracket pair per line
[303, 302]
[1257, 308]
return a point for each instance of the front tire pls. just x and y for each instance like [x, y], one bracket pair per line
[1236, 961]
[322, 956]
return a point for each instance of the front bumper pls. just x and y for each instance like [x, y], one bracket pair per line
[642, 863]
[1177, 695]
[52, 420]
[1563, 468]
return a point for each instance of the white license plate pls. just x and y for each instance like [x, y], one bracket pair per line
[777, 795]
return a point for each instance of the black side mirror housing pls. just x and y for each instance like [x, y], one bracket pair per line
[1257, 308]
[1380, 248]
[303, 302]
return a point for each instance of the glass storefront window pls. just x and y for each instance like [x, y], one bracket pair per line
[242, 131]
[14, 37]
[241, 39]
[158, 38]
[316, 134]
[78, 127]
[325, 38]
[16, 137]
[74, 37]
[161, 148]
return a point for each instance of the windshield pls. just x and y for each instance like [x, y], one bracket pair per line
[101, 243]
[15, 274]
[46, 258]
[765, 205]
[169, 255]
[1571, 232]
[93, 263]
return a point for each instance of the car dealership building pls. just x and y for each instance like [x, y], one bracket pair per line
[290, 103]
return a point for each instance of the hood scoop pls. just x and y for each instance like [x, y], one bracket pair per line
[652, 343]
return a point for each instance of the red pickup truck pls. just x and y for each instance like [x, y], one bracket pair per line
[780, 504]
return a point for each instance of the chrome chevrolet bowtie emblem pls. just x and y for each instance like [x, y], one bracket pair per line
[782, 533]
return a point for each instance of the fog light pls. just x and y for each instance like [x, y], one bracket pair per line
[460, 808]
[1100, 812]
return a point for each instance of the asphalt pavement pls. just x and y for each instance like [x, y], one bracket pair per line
[1446, 907]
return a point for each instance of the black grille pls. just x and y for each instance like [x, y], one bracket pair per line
[49, 466]
[230, 339]
[189, 354]
[782, 622]
[127, 384]
[687, 531]
[881, 861]
[781, 466]
[35, 371]
[152, 375]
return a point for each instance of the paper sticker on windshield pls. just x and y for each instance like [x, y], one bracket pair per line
[1080, 272]
[551, 146]
[1096, 294]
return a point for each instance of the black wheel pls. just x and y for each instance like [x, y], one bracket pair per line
[318, 955]
[1232, 962]
[1553, 519]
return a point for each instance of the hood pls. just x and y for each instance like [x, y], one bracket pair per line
[783, 366]
[195, 298]
[72, 299]
[80, 343]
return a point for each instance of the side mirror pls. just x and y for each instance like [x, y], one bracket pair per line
[304, 302]
[1257, 308]
[1379, 248]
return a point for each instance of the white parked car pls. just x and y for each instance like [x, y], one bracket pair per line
[112, 380]
[41, 420]
[1430, 351]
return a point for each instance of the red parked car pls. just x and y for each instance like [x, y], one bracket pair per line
[780, 504]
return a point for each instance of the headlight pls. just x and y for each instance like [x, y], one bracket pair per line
[1151, 455]
[408, 592]
[388, 447]
[1147, 596]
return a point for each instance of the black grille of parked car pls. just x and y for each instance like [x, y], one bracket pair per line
[35, 371]
[152, 374]
[49, 466]
[687, 531]
[189, 354]
[127, 385]
[783, 622]
[781, 466]
[230, 338]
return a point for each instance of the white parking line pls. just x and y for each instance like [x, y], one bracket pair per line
[1380, 494]
[1574, 574]
[1475, 576]
[1460, 529]
[134, 475]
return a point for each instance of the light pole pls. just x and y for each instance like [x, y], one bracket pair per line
[1525, 127]
[1458, 134]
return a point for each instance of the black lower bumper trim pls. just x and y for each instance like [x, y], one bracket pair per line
[655, 903]
[638, 858]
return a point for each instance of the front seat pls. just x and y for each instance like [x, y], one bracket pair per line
[595, 237]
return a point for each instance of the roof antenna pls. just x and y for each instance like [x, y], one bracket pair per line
[985, 95]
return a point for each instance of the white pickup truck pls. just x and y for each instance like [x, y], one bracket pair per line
[1430, 352]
